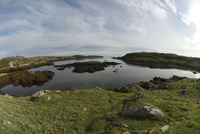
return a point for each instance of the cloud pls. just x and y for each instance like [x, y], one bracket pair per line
[147, 7]
[191, 18]
[60, 27]
[172, 5]
[140, 28]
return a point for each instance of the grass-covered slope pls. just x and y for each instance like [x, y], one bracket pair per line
[162, 60]
[92, 111]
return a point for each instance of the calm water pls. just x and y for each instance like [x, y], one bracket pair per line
[66, 79]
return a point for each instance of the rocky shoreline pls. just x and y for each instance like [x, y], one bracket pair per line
[156, 83]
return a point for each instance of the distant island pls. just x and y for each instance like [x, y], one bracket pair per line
[162, 60]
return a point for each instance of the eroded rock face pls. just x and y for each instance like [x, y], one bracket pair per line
[141, 109]
[26, 79]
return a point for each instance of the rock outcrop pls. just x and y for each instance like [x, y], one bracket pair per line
[128, 88]
[90, 67]
[141, 110]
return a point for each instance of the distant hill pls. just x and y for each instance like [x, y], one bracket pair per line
[162, 60]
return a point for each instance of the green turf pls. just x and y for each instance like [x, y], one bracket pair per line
[64, 112]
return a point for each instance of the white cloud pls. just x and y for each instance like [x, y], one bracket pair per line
[192, 17]
[147, 7]
[140, 28]
[51, 27]
[172, 5]
[194, 40]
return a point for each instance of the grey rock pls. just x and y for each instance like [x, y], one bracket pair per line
[150, 132]
[122, 89]
[127, 132]
[98, 87]
[117, 125]
[161, 85]
[139, 95]
[39, 93]
[141, 109]
[84, 109]
[47, 97]
[5, 122]
[139, 132]
[47, 91]
[194, 72]
[182, 92]
[176, 78]
[165, 128]
[8, 96]
[11, 63]
[149, 86]
[128, 88]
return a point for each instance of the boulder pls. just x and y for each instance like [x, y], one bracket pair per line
[39, 93]
[149, 86]
[141, 109]
[8, 96]
[165, 128]
[128, 88]
[47, 97]
[122, 89]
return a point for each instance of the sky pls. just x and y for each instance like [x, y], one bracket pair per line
[99, 27]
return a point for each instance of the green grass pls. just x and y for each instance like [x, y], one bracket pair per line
[5, 61]
[64, 113]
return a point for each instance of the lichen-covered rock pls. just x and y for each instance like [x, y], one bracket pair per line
[141, 109]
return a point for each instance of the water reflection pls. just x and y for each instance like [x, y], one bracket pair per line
[66, 79]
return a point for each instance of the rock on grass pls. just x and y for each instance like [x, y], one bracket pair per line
[141, 109]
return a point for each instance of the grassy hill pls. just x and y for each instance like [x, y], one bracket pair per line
[162, 60]
[95, 111]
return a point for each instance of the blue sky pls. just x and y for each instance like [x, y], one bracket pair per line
[102, 27]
